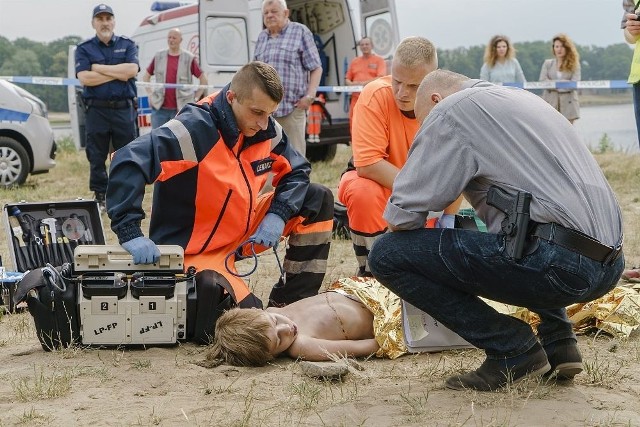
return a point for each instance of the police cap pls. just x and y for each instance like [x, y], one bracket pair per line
[102, 8]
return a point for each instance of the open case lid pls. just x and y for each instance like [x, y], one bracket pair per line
[78, 222]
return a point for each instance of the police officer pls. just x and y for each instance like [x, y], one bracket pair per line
[106, 66]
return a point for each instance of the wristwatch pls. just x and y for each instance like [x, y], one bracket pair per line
[310, 98]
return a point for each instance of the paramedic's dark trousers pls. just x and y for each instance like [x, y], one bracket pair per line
[104, 127]
[305, 262]
[444, 271]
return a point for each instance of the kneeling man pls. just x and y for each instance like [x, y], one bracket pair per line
[474, 136]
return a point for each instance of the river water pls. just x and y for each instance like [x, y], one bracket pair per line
[617, 121]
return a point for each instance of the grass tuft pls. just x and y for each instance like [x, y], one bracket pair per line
[43, 386]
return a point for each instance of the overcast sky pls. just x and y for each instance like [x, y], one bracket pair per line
[448, 23]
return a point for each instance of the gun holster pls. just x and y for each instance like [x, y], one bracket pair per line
[516, 224]
[528, 247]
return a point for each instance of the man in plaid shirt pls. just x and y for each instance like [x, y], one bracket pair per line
[289, 47]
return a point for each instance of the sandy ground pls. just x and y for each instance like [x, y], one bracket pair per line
[166, 386]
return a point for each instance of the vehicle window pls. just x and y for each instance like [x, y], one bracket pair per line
[227, 41]
[378, 27]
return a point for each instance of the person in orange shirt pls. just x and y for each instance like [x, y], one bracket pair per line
[384, 126]
[364, 69]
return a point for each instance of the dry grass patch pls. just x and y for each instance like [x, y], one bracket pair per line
[56, 383]
[31, 417]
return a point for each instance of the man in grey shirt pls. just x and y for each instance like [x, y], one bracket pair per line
[475, 135]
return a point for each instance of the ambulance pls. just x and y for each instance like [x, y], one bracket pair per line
[223, 33]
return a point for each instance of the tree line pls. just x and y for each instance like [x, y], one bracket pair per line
[24, 57]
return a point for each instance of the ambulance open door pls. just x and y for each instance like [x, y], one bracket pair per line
[225, 39]
[379, 21]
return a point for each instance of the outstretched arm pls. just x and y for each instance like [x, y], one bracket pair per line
[316, 349]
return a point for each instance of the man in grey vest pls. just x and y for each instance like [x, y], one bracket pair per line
[174, 66]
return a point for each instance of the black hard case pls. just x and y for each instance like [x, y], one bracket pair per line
[30, 240]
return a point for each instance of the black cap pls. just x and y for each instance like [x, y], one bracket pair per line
[102, 8]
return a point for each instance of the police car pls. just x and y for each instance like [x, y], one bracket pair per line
[26, 138]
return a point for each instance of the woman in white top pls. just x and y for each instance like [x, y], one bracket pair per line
[500, 64]
[565, 66]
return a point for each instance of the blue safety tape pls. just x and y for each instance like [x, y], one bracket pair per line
[585, 84]
[49, 81]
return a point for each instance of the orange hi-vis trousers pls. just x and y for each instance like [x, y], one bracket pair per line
[314, 120]
[365, 201]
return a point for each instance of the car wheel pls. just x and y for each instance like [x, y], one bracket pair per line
[14, 162]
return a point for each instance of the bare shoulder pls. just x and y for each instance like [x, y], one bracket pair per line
[300, 346]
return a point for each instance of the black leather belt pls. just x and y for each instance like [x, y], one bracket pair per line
[577, 242]
[115, 104]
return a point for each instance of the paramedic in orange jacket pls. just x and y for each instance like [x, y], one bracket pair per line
[363, 70]
[383, 129]
[208, 165]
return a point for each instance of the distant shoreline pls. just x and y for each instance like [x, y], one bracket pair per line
[585, 99]
[606, 99]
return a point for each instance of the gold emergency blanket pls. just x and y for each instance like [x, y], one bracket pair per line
[386, 309]
[616, 313]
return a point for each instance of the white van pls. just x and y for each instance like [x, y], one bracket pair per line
[223, 33]
[26, 138]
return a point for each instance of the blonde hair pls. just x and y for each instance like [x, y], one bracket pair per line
[414, 51]
[572, 57]
[491, 52]
[240, 338]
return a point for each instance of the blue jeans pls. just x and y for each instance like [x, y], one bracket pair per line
[444, 271]
[161, 116]
[636, 106]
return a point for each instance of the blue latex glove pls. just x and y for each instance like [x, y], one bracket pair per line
[446, 221]
[143, 250]
[269, 231]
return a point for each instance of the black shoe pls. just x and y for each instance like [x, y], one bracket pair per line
[565, 358]
[497, 373]
[102, 201]
[362, 272]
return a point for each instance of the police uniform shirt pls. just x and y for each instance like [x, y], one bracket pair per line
[119, 50]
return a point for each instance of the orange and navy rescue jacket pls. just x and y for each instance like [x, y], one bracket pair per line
[207, 177]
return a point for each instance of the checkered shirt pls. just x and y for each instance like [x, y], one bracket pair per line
[293, 53]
